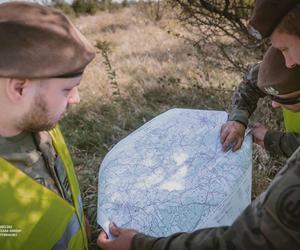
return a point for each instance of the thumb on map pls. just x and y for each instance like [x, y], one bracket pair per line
[114, 229]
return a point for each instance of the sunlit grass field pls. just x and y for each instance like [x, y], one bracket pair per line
[141, 70]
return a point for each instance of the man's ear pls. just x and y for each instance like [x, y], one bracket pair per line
[15, 88]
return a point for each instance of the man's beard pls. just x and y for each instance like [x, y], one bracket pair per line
[38, 118]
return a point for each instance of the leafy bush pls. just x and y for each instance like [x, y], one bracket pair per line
[85, 6]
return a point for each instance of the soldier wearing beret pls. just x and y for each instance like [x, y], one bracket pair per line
[271, 221]
[42, 59]
[286, 37]
[267, 14]
[280, 20]
[269, 78]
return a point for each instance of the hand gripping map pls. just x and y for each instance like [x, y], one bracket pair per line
[171, 175]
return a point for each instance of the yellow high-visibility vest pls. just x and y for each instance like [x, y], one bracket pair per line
[32, 217]
[291, 121]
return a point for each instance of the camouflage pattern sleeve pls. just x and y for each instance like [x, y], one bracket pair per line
[245, 98]
[272, 221]
[281, 143]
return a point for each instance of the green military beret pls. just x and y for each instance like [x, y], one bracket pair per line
[267, 14]
[274, 77]
[40, 42]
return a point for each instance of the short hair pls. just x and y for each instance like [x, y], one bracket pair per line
[290, 24]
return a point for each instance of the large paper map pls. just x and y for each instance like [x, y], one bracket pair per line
[171, 175]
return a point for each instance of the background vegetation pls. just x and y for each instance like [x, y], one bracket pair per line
[153, 56]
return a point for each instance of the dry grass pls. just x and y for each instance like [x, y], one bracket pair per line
[154, 71]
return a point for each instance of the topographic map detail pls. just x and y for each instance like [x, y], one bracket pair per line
[171, 175]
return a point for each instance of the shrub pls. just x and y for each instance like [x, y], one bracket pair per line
[85, 6]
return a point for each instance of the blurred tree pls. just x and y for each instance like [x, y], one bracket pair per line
[85, 6]
[152, 9]
[106, 3]
[125, 3]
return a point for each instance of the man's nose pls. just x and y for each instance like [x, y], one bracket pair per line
[74, 97]
[289, 61]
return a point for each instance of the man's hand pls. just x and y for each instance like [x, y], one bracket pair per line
[123, 238]
[258, 132]
[232, 135]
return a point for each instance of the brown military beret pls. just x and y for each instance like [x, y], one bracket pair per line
[274, 77]
[39, 42]
[267, 14]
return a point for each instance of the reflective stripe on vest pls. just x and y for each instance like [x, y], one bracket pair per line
[72, 229]
[62, 151]
[43, 219]
[291, 121]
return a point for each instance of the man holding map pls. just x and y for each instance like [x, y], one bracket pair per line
[272, 220]
[273, 79]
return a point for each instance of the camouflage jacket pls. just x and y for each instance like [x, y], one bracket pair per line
[271, 221]
[244, 103]
[34, 155]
